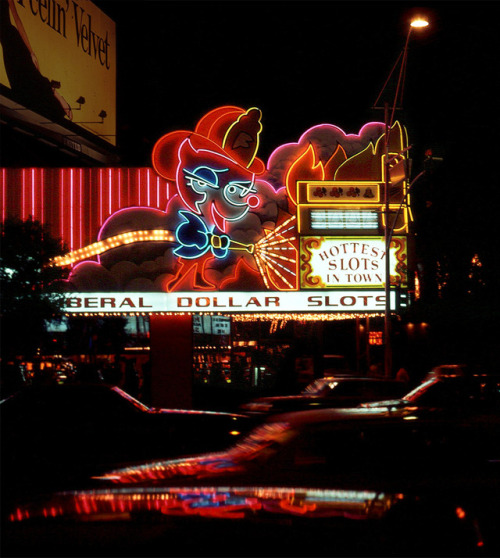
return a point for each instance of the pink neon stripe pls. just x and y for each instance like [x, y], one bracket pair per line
[119, 188]
[80, 238]
[42, 197]
[129, 190]
[23, 201]
[4, 194]
[33, 193]
[139, 187]
[61, 209]
[148, 177]
[110, 192]
[100, 196]
[71, 208]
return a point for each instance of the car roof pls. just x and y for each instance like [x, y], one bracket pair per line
[31, 393]
[340, 415]
[353, 379]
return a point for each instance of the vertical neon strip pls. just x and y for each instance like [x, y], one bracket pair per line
[148, 177]
[158, 192]
[33, 194]
[110, 192]
[80, 217]
[72, 208]
[139, 187]
[61, 207]
[129, 191]
[4, 196]
[100, 197]
[119, 171]
[42, 195]
[23, 186]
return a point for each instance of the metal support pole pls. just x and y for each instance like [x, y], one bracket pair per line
[387, 239]
[388, 230]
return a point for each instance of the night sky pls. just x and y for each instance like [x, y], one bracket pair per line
[307, 63]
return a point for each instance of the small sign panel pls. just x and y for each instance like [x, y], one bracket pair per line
[354, 262]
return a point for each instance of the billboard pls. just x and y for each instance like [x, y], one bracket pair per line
[59, 61]
[231, 225]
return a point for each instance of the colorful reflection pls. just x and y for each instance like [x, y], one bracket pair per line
[256, 447]
[223, 502]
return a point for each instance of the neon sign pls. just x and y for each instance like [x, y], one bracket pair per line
[351, 262]
[233, 302]
[233, 224]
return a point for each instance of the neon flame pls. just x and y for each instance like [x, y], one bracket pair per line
[305, 167]
[338, 157]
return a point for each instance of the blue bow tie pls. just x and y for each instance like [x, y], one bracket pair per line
[195, 238]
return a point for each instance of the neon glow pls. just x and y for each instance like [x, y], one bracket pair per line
[230, 502]
[4, 193]
[356, 261]
[342, 192]
[211, 218]
[113, 242]
[338, 219]
[276, 257]
[52, 188]
[232, 302]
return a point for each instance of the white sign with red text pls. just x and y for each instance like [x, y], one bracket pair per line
[350, 262]
[228, 302]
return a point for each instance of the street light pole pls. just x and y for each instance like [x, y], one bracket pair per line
[387, 243]
[388, 121]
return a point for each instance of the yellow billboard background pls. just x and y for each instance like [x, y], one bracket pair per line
[74, 43]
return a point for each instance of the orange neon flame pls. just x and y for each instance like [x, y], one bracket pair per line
[305, 167]
[368, 164]
[338, 157]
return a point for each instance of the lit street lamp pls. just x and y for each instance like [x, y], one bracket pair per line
[417, 23]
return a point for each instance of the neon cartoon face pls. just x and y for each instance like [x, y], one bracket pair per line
[215, 232]
[214, 186]
[214, 170]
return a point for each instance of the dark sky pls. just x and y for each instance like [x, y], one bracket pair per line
[306, 63]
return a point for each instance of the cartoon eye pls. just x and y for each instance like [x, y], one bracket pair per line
[203, 177]
[236, 192]
[231, 189]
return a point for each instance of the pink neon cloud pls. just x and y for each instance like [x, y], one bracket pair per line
[325, 138]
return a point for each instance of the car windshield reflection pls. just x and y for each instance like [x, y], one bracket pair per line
[136, 403]
[321, 386]
[416, 394]
[265, 436]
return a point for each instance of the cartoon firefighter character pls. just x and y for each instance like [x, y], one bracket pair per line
[214, 170]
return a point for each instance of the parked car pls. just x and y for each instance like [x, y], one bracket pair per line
[448, 370]
[334, 482]
[331, 391]
[52, 435]
[453, 394]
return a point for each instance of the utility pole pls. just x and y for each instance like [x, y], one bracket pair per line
[387, 243]
[388, 230]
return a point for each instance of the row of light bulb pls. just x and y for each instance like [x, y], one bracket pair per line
[102, 246]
